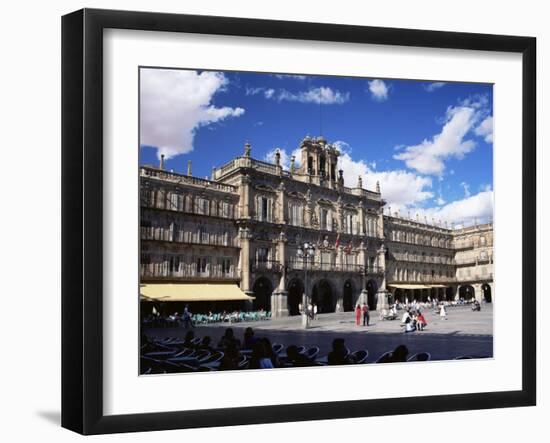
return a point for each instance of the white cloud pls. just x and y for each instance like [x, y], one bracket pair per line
[466, 188]
[379, 90]
[431, 87]
[399, 188]
[428, 157]
[285, 157]
[267, 92]
[485, 129]
[174, 104]
[323, 95]
[474, 208]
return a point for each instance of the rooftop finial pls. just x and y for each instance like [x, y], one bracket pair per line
[189, 168]
[161, 166]
[247, 149]
[378, 187]
[278, 157]
[292, 163]
[359, 182]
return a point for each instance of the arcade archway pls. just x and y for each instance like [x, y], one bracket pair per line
[487, 295]
[372, 289]
[262, 292]
[322, 297]
[466, 292]
[348, 296]
[295, 293]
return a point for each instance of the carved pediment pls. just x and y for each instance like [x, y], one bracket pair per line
[264, 188]
[295, 194]
[324, 202]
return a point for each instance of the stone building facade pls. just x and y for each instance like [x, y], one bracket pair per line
[246, 223]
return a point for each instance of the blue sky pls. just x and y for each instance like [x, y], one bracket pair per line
[428, 143]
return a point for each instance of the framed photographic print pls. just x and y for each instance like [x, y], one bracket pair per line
[270, 221]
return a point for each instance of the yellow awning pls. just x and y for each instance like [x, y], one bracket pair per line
[403, 286]
[188, 292]
[438, 286]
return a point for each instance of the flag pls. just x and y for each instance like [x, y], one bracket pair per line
[337, 243]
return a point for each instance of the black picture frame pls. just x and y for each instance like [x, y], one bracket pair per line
[82, 217]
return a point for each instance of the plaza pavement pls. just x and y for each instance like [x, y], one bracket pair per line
[463, 333]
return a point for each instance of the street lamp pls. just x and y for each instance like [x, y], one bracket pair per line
[305, 251]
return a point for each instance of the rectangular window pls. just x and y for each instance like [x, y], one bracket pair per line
[173, 201]
[264, 208]
[225, 265]
[323, 219]
[262, 254]
[201, 265]
[225, 210]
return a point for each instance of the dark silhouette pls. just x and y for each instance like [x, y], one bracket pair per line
[229, 339]
[339, 355]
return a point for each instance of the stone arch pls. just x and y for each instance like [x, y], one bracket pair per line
[322, 294]
[348, 299]
[487, 293]
[262, 289]
[466, 292]
[295, 295]
[372, 298]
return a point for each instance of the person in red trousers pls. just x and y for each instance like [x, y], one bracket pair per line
[358, 315]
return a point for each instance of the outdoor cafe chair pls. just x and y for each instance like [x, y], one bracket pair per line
[243, 362]
[312, 352]
[212, 358]
[421, 356]
[361, 356]
[277, 348]
[384, 357]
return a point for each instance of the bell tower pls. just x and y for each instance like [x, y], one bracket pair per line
[319, 160]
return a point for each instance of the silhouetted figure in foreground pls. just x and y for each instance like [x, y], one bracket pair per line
[339, 355]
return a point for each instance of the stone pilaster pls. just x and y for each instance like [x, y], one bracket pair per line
[245, 236]
[244, 197]
[382, 295]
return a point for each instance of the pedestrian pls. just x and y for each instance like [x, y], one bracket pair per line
[187, 318]
[442, 311]
[314, 311]
[358, 315]
[366, 316]
[420, 321]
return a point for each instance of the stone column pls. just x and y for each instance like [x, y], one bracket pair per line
[382, 302]
[281, 210]
[245, 236]
[361, 222]
[244, 197]
[280, 296]
[478, 292]
[457, 292]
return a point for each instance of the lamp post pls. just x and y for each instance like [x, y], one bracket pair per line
[305, 251]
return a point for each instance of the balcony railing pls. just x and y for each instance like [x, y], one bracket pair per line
[297, 265]
[185, 272]
[425, 259]
[265, 265]
[186, 237]
[186, 179]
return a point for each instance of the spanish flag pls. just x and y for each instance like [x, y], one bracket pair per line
[337, 243]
